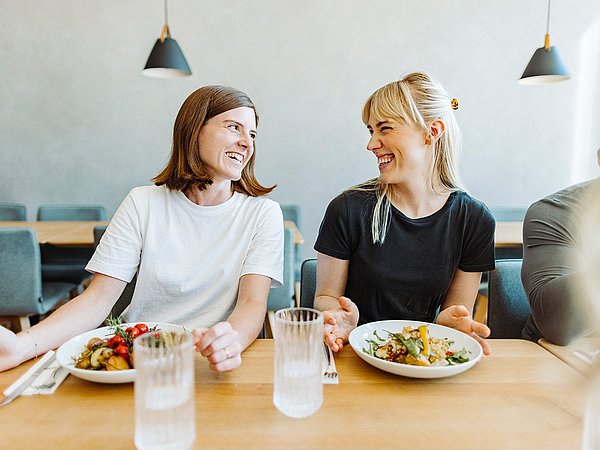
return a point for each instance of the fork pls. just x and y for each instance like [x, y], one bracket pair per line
[331, 371]
[50, 382]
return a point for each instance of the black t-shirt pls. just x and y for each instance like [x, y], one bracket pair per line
[408, 276]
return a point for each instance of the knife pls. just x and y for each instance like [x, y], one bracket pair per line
[21, 385]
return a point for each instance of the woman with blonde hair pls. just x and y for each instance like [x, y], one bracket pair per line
[410, 244]
[204, 241]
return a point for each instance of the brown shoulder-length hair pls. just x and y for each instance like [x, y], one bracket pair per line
[185, 168]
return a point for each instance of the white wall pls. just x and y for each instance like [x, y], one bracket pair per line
[80, 124]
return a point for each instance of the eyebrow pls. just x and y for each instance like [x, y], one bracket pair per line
[379, 124]
[240, 124]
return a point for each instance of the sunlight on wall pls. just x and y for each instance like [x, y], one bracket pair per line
[584, 149]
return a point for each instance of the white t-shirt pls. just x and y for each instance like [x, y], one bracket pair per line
[189, 258]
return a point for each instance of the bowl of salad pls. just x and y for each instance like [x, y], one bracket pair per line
[105, 355]
[415, 349]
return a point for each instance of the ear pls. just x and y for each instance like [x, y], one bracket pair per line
[436, 129]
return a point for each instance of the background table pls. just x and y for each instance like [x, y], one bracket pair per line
[522, 396]
[509, 234]
[68, 233]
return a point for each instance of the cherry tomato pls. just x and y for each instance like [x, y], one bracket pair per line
[142, 327]
[133, 332]
[115, 341]
[122, 351]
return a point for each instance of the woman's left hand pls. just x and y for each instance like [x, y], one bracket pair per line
[459, 318]
[220, 344]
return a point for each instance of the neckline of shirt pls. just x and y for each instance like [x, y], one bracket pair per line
[430, 217]
[221, 208]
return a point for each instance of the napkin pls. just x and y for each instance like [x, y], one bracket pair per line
[45, 383]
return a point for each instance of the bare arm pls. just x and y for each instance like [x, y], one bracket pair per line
[457, 307]
[340, 313]
[79, 315]
[223, 343]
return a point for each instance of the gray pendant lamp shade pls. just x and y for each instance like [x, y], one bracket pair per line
[546, 65]
[166, 59]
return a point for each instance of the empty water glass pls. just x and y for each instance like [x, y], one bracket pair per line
[164, 391]
[298, 383]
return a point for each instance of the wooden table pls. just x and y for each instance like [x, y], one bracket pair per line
[520, 397]
[70, 233]
[509, 234]
[568, 353]
[82, 233]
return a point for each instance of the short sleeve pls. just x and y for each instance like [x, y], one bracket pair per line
[265, 254]
[478, 243]
[334, 238]
[119, 251]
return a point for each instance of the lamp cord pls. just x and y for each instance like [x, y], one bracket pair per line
[547, 22]
[167, 14]
[547, 37]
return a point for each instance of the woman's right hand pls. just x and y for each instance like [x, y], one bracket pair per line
[11, 349]
[339, 322]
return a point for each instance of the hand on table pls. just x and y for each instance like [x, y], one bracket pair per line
[220, 345]
[459, 318]
[339, 322]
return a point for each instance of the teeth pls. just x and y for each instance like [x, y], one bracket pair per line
[235, 156]
[384, 159]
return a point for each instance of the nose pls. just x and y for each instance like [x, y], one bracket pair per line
[374, 143]
[246, 141]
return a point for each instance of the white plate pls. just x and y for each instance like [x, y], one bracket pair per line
[73, 348]
[358, 341]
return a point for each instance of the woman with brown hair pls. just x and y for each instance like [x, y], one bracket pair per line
[204, 241]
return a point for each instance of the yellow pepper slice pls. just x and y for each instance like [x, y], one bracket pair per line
[424, 339]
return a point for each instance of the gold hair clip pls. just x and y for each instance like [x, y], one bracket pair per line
[454, 103]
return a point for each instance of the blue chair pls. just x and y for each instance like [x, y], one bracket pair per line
[508, 307]
[12, 211]
[71, 212]
[308, 282]
[292, 213]
[283, 296]
[22, 292]
[67, 263]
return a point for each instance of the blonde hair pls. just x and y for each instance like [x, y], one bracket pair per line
[414, 100]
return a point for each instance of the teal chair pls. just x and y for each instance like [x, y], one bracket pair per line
[292, 213]
[508, 307]
[22, 292]
[308, 282]
[67, 263]
[71, 212]
[282, 296]
[509, 215]
[12, 211]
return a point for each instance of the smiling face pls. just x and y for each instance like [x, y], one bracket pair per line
[226, 143]
[401, 151]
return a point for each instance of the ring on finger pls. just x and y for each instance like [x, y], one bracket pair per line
[227, 353]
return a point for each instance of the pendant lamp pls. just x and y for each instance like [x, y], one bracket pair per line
[545, 65]
[166, 59]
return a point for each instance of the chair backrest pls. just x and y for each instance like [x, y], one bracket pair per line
[12, 211]
[282, 297]
[20, 272]
[308, 282]
[71, 212]
[508, 307]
